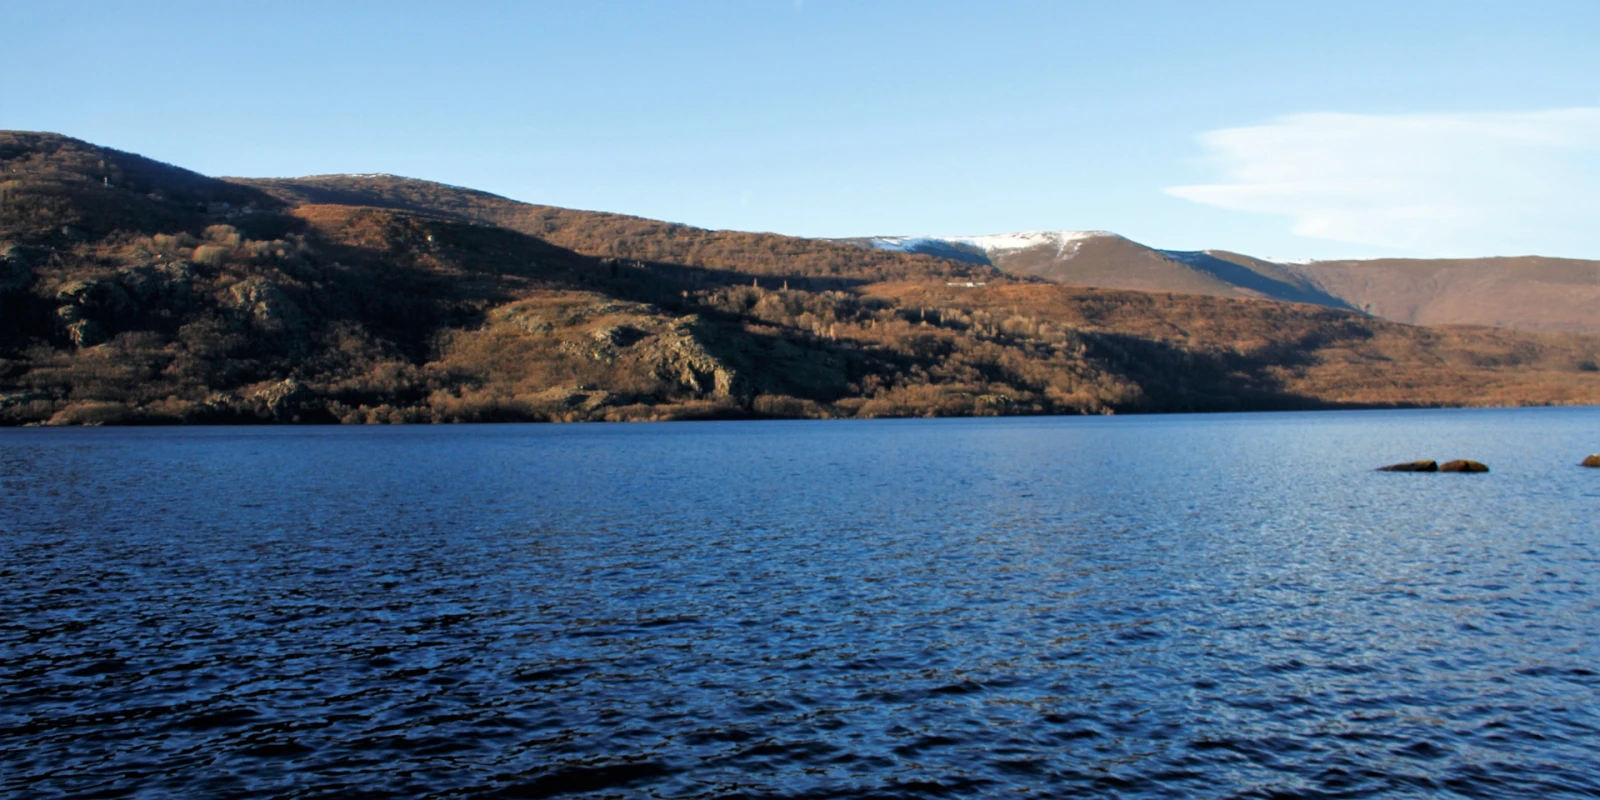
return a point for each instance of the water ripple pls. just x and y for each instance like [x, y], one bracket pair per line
[1228, 606]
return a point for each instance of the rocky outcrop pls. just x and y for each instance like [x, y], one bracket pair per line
[1463, 465]
[92, 311]
[1412, 466]
[683, 358]
[283, 401]
[265, 304]
[86, 306]
[604, 343]
[103, 297]
[617, 335]
[1592, 461]
[166, 285]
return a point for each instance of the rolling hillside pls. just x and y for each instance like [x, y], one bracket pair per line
[1529, 293]
[815, 262]
[138, 292]
[1103, 259]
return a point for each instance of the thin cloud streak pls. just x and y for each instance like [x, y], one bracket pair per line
[1433, 184]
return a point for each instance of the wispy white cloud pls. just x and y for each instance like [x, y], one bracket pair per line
[1435, 184]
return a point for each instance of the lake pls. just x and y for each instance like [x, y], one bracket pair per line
[1161, 606]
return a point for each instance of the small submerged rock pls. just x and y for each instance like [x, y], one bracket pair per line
[1591, 461]
[1458, 465]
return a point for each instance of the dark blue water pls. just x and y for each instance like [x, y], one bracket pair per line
[1228, 605]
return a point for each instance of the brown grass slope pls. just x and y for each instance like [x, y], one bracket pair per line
[1114, 262]
[1321, 356]
[134, 292]
[1108, 261]
[1530, 292]
[816, 262]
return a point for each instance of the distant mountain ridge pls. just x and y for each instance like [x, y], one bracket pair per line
[1530, 293]
[984, 249]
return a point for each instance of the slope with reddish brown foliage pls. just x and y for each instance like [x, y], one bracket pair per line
[1529, 293]
[178, 298]
[605, 235]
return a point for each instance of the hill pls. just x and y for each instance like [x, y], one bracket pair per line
[1106, 260]
[137, 292]
[818, 263]
[1529, 293]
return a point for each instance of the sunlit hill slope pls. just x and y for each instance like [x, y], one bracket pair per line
[1530, 293]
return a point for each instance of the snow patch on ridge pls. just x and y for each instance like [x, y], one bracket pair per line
[993, 243]
[1001, 242]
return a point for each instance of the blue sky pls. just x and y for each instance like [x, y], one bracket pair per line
[1284, 129]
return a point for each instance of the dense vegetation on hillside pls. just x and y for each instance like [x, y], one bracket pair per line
[136, 292]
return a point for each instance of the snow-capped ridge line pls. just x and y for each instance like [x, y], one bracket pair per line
[995, 242]
[1066, 244]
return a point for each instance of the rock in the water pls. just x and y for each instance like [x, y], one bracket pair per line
[1592, 461]
[1463, 465]
[1412, 466]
